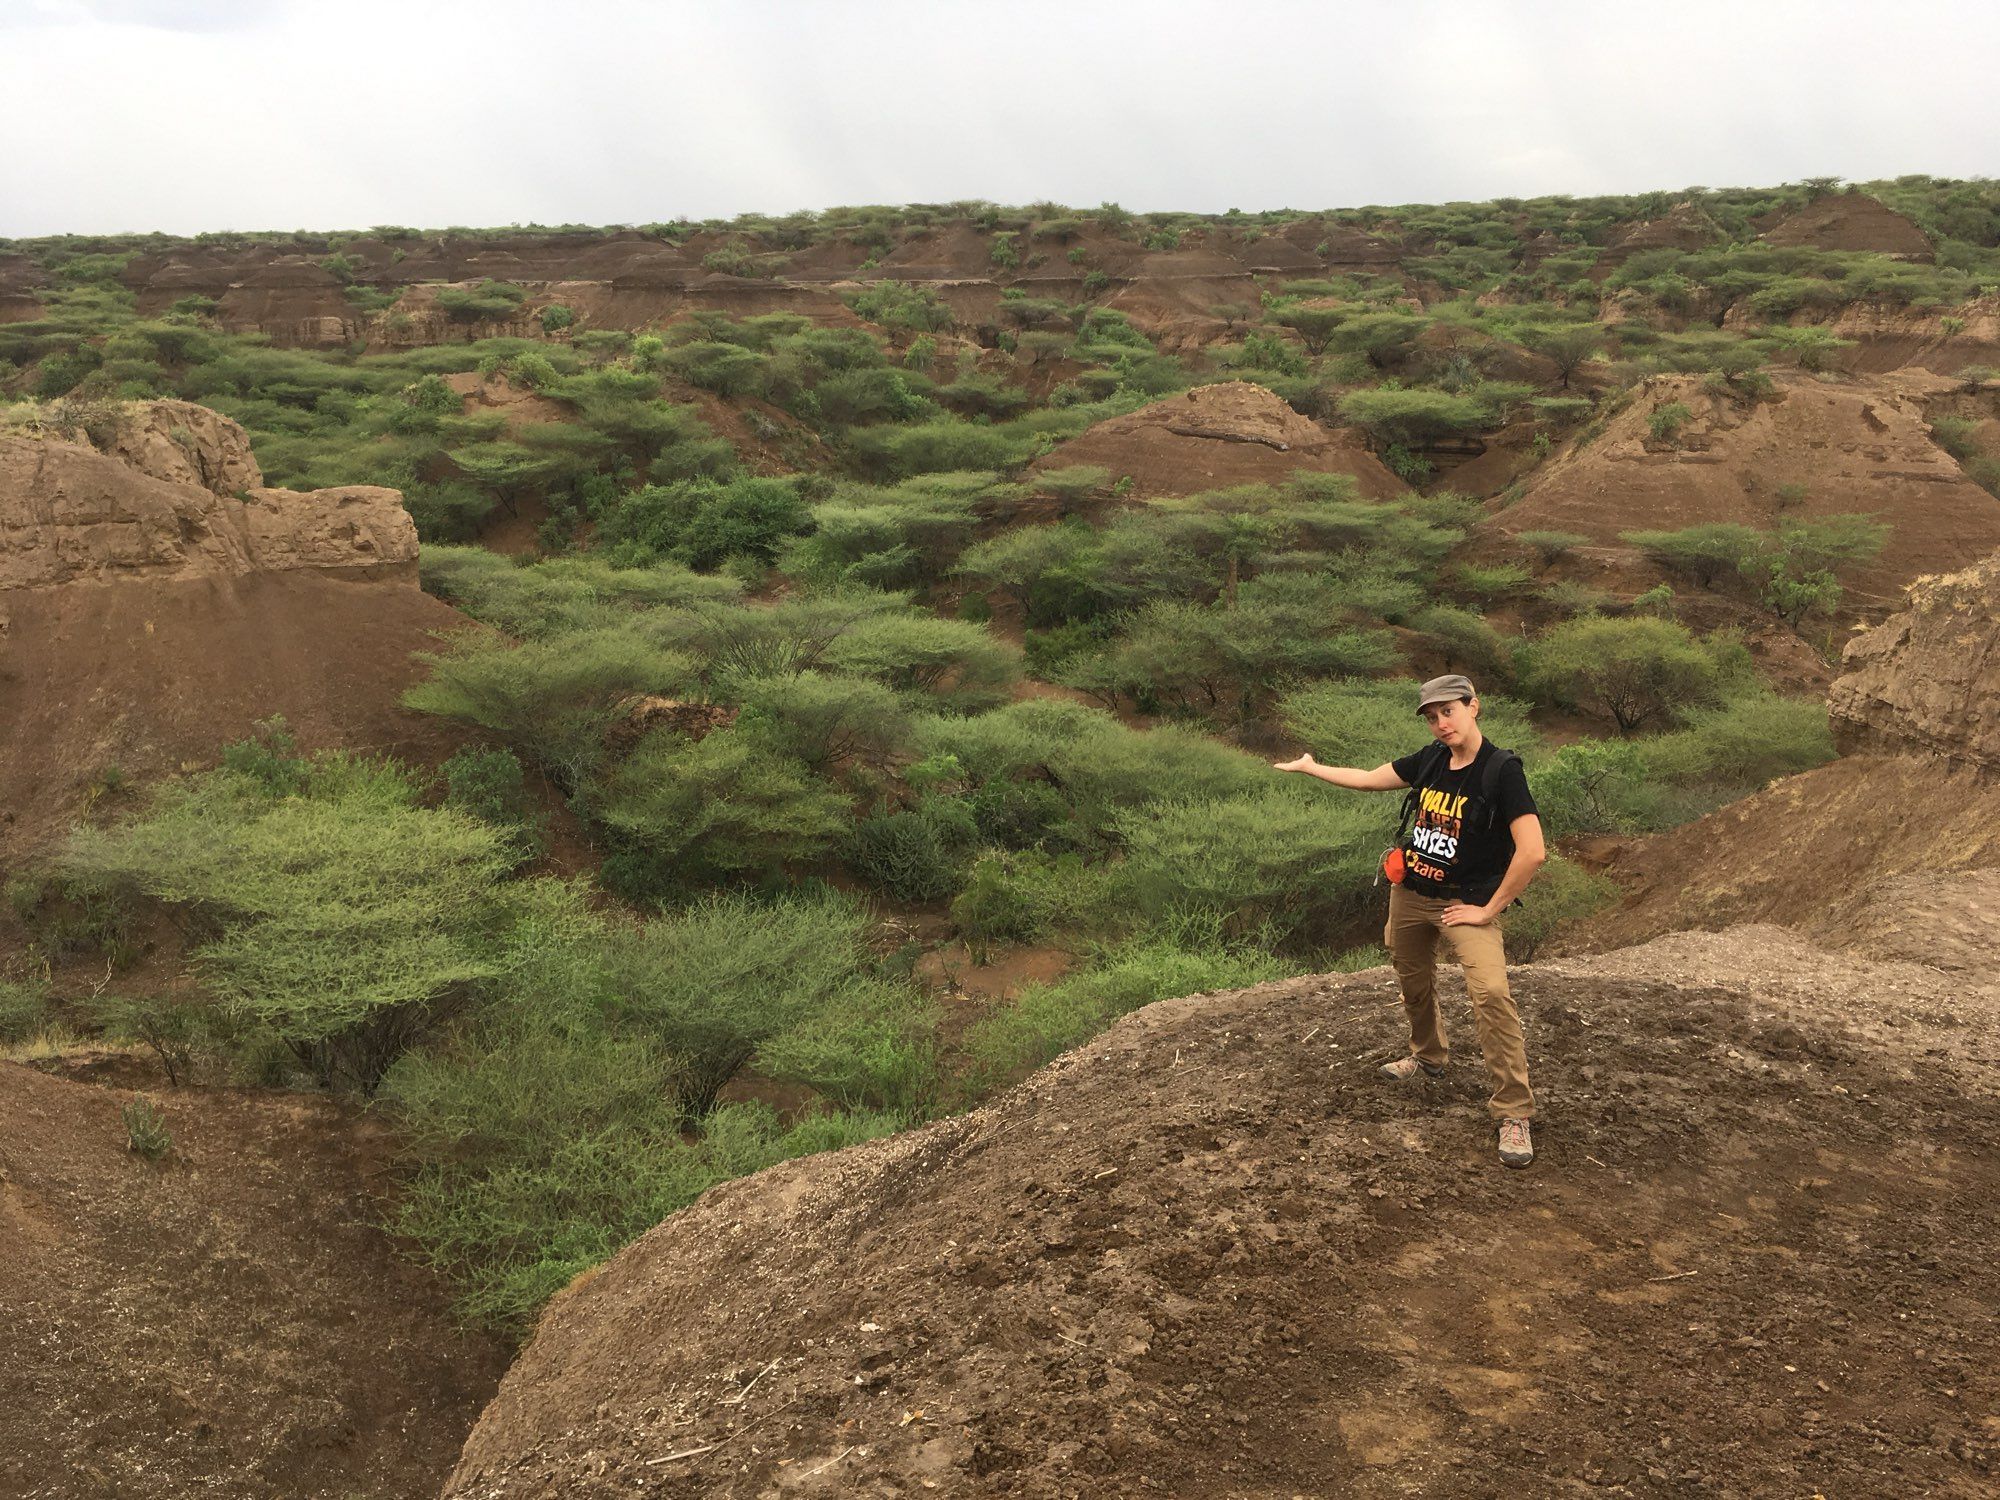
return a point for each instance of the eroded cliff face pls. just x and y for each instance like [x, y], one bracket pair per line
[157, 600]
[1892, 850]
[170, 490]
[1927, 681]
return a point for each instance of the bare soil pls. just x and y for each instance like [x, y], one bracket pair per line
[229, 1322]
[148, 677]
[1212, 1254]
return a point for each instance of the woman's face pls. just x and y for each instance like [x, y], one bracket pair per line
[1451, 723]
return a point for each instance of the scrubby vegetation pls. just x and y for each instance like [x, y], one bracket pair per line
[818, 647]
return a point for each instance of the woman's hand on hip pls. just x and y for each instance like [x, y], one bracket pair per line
[1458, 914]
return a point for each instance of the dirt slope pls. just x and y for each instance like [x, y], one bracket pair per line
[1215, 436]
[1211, 1255]
[156, 601]
[226, 1324]
[1860, 444]
[1852, 221]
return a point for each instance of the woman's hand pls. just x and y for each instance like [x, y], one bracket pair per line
[1303, 763]
[1458, 914]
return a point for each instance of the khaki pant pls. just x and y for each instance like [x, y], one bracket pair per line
[1411, 936]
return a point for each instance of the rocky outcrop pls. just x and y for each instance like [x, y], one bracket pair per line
[177, 441]
[157, 600]
[1927, 681]
[1219, 435]
[169, 490]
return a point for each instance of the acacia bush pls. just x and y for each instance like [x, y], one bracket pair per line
[688, 813]
[1367, 722]
[1185, 956]
[950, 660]
[701, 522]
[1292, 862]
[822, 719]
[559, 595]
[339, 914]
[552, 701]
[1635, 671]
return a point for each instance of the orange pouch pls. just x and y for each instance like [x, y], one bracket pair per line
[1392, 867]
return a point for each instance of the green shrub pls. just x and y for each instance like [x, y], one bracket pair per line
[1464, 641]
[873, 1047]
[714, 983]
[345, 916]
[1562, 892]
[724, 806]
[551, 701]
[915, 653]
[822, 720]
[1411, 418]
[1796, 562]
[146, 1132]
[1488, 582]
[24, 1009]
[727, 369]
[902, 304]
[1665, 422]
[1633, 671]
[556, 317]
[1954, 435]
[1702, 553]
[700, 522]
[917, 855]
[1186, 957]
[1366, 723]
[490, 301]
[1748, 741]
[1551, 545]
[1283, 861]
[177, 1032]
[489, 785]
[560, 595]
[1596, 786]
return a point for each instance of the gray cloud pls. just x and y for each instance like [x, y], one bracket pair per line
[183, 115]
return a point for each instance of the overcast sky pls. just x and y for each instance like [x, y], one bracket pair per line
[186, 115]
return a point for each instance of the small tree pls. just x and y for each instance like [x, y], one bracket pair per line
[1633, 671]
[1811, 347]
[1315, 326]
[1701, 553]
[1568, 345]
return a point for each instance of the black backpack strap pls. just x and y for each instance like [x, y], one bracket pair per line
[1489, 783]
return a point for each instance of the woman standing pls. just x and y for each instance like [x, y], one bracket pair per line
[1475, 843]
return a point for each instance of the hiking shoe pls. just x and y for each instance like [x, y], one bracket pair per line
[1517, 1146]
[1403, 1069]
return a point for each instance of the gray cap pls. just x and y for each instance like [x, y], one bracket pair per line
[1446, 689]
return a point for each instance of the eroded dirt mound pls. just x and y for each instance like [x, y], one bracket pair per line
[1928, 680]
[1854, 445]
[1215, 436]
[1851, 221]
[1210, 1254]
[1682, 227]
[151, 611]
[226, 1323]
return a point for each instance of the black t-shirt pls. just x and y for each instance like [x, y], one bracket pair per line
[1450, 850]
